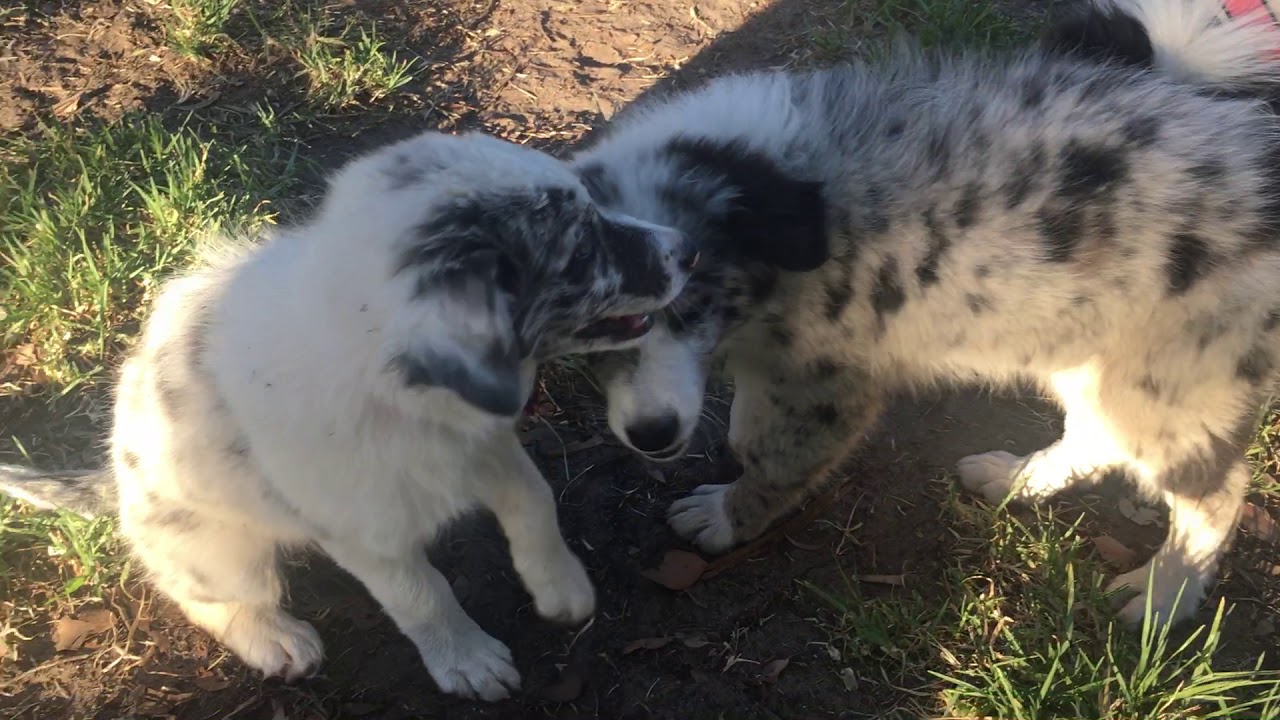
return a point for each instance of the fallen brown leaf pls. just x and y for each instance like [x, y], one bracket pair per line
[71, 633]
[694, 641]
[652, 643]
[567, 688]
[898, 580]
[771, 670]
[1259, 522]
[211, 683]
[680, 569]
[1114, 553]
[1139, 514]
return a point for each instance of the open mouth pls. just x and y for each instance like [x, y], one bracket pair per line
[620, 328]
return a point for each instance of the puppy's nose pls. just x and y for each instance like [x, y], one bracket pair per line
[654, 434]
[689, 256]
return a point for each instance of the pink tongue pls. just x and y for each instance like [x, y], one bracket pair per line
[634, 322]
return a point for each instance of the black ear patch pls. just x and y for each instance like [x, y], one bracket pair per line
[772, 218]
[490, 381]
[1100, 33]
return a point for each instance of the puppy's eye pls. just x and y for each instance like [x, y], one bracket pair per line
[507, 276]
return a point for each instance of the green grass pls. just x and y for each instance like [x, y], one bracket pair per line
[349, 66]
[1024, 630]
[197, 28]
[85, 556]
[90, 221]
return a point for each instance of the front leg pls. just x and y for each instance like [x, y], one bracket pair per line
[522, 501]
[461, 657]
[789, 431]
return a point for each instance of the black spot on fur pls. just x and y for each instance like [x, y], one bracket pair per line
[977, 304]
[403, 174]
[839, 296]
[875, 210]
[1149, 386]
[888, 295]
[1032, 92]
[1205, 473]
[1025, 177]
[1078, 301]
[1208, 171]
[1089, 170]
[1188, 261]
[1272, 321]
[490, 383]
[1062, 228]
[774, 218]
[602, 189]
[1100, 33]
[780, 335]
[825, 368]
[761, 286]
[968, 207]
[130, 459]
[1141, 132]
[239, 447]
[637, 259]
[826, 414]
[1255, 366]
[982, 272]
[927, 271]
[894, 128]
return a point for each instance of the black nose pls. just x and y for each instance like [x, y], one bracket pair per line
[689, 257]
[654, 434]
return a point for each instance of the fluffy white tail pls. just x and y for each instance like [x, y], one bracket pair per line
[1223, 44]
[86, 492]
[1215, 43]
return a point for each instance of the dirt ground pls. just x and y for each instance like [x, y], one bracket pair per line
[551, 71]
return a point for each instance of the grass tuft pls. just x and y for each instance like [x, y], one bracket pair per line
[91, 221]
[1025, 630]
[196, 28]
[351, 66]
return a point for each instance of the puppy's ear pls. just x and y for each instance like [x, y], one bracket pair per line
[770, 217]
[457, 333]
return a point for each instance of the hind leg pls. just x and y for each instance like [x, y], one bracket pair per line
[1086, 448]
[226, 580]
[1204, 491]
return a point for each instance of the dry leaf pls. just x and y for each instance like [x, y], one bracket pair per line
[1114, 553]
[894, 580]
[693, 641]
[679, 570]
[579, 446]
[71, 633]
[567, 689]
[1138, 514]
[1259, 522]
[849, 679]
[211, 683]
[652, 643]
[771, 670]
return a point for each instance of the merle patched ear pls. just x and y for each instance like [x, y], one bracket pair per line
[771, 217]
[458, 333]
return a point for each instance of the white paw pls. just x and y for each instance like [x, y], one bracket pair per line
[471, 663]
[701, 518]
[275, 643]
[989, 475]
[1166, 605]
[562, 592]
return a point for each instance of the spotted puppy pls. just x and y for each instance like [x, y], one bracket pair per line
[1065, 215]
[351, 384]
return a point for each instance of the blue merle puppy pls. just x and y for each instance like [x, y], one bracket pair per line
[1100, 215]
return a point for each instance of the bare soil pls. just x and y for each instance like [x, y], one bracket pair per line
[544, 73]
